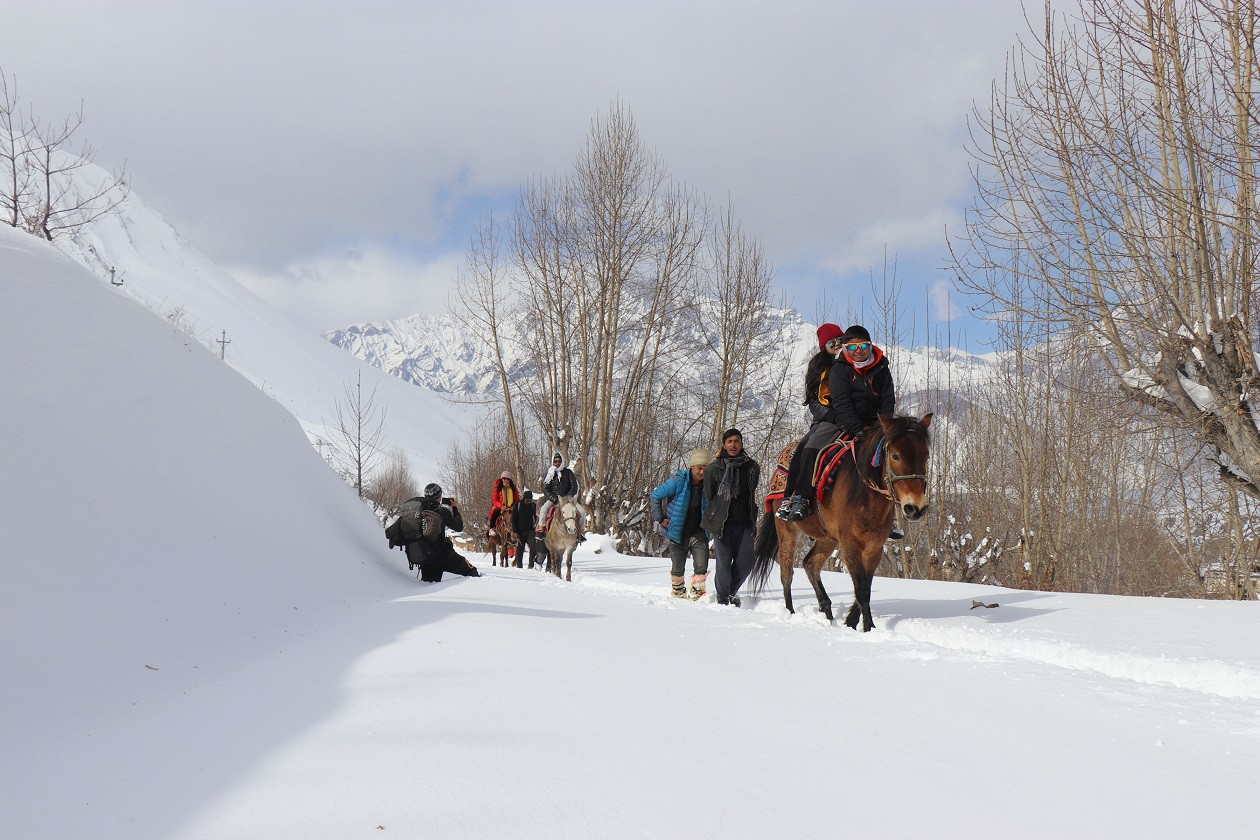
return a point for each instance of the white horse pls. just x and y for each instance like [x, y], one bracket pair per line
[562, 536]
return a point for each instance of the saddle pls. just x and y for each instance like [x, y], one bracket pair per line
[496, 521]
[824, 471]
[825, 467]
[551, 514]
[779, 481]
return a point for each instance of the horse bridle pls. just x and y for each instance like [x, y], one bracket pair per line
[890, 477]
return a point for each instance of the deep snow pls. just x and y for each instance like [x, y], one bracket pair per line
[204, 636]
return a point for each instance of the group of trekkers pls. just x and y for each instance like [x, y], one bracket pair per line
[848, 385]
[528, 520]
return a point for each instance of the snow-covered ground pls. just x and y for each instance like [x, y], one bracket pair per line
[203, 635]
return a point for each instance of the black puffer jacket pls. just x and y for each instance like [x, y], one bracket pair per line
[857, 399]
[563, 483]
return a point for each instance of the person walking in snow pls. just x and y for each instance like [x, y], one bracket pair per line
[558, 483]
[730, 514]
[525, 523]
[677, 506]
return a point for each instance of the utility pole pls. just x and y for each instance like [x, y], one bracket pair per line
[223, 343]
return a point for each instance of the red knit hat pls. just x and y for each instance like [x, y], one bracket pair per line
[827, 332]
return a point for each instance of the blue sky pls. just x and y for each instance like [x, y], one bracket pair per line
[336, 156]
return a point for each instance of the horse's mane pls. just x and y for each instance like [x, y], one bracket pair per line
[867, 443]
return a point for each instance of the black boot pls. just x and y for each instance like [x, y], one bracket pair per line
[801, 504]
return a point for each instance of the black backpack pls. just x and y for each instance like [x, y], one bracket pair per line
[415, 522]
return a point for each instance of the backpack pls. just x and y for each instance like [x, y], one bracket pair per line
[414, 523]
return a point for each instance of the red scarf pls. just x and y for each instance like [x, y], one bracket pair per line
[876, 355]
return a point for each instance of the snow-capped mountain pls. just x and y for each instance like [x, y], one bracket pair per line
[138, 249]
[433, 351]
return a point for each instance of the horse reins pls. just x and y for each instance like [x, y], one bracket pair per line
[890, 477]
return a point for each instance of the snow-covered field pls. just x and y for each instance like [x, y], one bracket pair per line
[203, 635]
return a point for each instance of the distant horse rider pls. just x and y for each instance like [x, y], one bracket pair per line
[502, 497]
[558, 483]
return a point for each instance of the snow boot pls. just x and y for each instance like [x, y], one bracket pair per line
[678, 590]
[794, 509]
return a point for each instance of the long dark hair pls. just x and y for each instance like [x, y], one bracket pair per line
[818, 367]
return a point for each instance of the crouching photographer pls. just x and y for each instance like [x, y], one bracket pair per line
[420, 531]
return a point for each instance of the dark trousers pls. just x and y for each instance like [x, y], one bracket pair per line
[733, 559]
[434, 560]
[697, 545]
[536, 549]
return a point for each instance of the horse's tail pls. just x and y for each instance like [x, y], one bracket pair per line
[765, 552]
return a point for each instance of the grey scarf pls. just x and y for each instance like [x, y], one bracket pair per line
[729, 487]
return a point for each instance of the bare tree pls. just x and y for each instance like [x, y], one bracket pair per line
[67, 199]
[739, 293]
[15, 170]
[1116, 196]
[482, 294]
[392, 485]
[358, 433]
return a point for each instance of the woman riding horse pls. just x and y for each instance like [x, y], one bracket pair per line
[884, 471]
[845, 396]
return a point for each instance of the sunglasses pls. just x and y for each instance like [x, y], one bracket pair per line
[856, 346]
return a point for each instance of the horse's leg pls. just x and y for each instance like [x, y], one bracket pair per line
[568, 564]
[871, 555]
[787, 554]
[858, 575]
[813, 563]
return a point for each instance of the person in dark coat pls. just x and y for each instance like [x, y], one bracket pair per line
[677, 506]
[525, 523]
[730, 515]
[558, 483]
[437, 554]
[822, 431]
[859, 389]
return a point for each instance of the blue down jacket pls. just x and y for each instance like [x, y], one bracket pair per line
[669, 501]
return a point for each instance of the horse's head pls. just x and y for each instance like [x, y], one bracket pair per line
[568, 514]
[906, 451]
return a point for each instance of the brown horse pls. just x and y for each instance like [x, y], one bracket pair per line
[886, 468]
[504, 542]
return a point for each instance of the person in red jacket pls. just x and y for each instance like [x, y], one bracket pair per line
[503, 497]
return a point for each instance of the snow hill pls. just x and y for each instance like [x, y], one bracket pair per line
[159, 269]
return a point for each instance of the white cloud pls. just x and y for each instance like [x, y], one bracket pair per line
[943, 306]
[353, 285]
[836, 128]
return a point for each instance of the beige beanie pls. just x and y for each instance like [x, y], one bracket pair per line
[700, 458]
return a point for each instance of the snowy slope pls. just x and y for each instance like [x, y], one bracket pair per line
[162, 524]
[299, 369]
